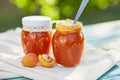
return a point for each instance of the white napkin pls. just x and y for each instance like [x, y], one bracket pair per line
[94, 63]
[5, 74]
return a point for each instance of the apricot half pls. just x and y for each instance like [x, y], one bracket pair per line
[46, 61]
[30, 60]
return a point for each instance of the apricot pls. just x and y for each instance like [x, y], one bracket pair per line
[46, 61]
[30, 60]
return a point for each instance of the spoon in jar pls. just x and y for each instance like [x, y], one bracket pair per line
[81, 8]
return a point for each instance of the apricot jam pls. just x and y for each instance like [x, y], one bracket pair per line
[68, 43]
[36, 34]
[36, 42]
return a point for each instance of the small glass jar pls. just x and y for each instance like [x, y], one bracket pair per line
[68, 43]
[36, 34]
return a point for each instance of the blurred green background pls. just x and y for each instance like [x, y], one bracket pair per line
[11, 11]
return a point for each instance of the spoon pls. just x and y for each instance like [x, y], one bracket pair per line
[81, 8]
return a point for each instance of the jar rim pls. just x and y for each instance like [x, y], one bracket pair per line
[68, 26]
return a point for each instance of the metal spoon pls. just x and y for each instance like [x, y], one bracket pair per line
[81, 8]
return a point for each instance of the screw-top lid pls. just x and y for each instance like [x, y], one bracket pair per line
[36, 23]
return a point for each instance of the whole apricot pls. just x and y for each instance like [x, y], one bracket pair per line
[29, 60]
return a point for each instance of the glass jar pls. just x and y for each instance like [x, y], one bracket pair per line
[68, 43]
[36, 34]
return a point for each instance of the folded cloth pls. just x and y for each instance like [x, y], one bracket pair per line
[94, 63]
[4, 74]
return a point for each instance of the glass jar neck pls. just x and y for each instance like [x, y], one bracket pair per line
[68, 29]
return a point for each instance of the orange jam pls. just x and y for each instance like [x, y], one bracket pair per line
[68, 43]
[36, 42]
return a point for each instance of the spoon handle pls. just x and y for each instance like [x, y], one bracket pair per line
[81, 8]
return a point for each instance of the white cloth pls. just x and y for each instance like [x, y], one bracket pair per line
[94, 62]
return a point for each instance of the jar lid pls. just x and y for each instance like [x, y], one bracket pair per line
[36, 23]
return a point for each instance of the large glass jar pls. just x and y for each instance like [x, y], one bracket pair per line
[68, 43]
[36, 34]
